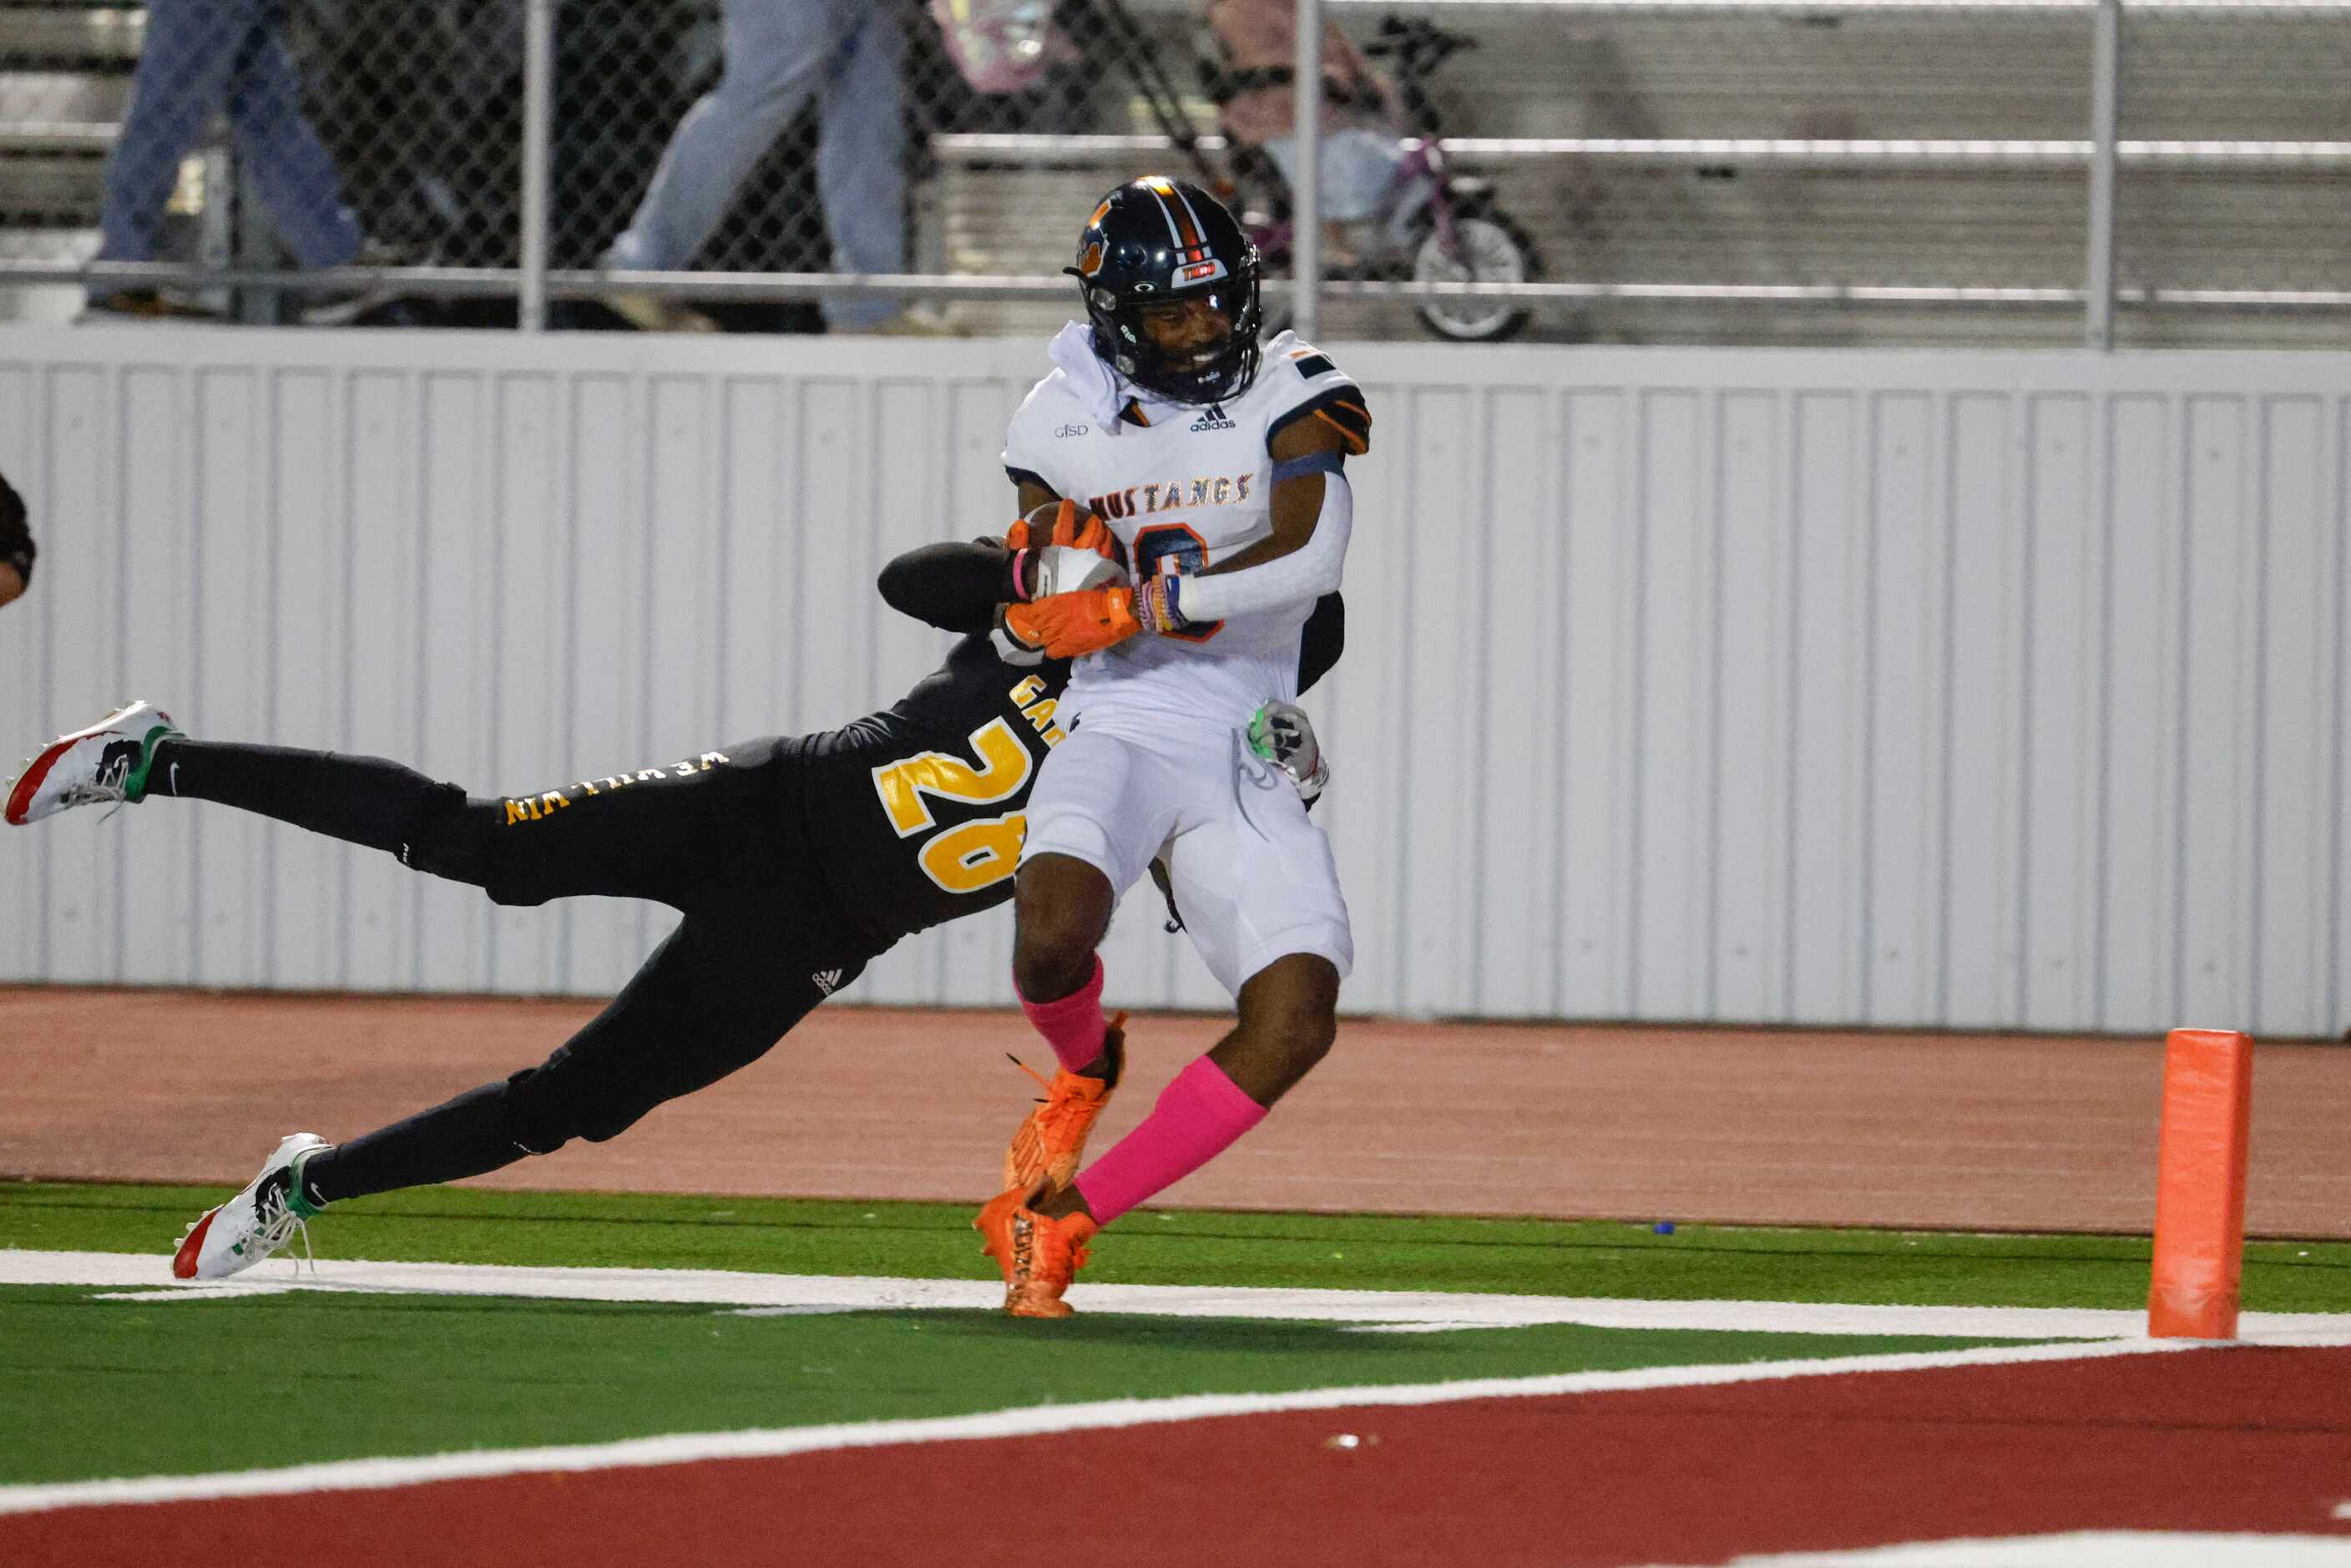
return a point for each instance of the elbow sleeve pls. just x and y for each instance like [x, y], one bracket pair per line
[1305, 574]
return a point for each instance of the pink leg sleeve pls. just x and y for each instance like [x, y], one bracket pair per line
[1073, 1026]
[1198, 1117]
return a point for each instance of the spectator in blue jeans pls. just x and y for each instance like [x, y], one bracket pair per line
[201, 57]
[780, 54]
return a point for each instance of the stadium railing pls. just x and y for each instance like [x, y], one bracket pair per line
[1995, 170]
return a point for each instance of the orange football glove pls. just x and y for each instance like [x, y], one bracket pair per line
[1070, 625]
[1070, 525]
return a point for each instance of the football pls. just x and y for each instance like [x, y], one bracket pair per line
[1064, 570]
[1040, 519]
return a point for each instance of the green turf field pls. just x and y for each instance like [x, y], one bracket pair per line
[134, 1385]
[134, 1389]
[1524, 1257]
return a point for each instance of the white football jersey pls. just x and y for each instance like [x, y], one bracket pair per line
[1184, 485]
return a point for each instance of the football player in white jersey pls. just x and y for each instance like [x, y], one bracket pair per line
[1218, 466]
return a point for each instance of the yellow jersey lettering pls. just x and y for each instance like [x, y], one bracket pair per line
[1004, 765]
[972, 855]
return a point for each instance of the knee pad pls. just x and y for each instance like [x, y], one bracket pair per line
[537, 1117]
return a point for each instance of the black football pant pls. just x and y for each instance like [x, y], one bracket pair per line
[721, 837]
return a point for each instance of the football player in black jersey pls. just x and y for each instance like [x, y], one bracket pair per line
[794, 859]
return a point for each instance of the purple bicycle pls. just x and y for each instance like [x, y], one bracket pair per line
[1427, 223]
[1430, 225]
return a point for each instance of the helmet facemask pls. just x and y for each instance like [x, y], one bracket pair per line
[1197, 369]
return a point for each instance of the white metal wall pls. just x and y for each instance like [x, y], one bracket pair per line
[1907, 689]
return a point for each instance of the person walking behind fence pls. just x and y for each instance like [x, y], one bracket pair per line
[201, 57]
[780, 54]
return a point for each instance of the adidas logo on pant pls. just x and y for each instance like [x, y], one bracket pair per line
[826, 980]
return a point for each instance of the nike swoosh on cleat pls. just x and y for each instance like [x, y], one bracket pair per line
[183, 1261]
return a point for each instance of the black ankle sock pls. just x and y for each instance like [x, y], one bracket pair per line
[466, 1136]
[359, 799]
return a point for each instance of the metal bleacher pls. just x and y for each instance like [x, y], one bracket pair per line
[1917, 149]
[64, 76]
[1711, 170]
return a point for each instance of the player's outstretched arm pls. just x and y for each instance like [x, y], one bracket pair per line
[954, 586]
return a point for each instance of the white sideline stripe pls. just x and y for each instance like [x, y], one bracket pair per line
[357, 1475]
[2082, 1549]
[1417, 1311]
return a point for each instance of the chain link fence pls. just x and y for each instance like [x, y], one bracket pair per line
[1626, 170]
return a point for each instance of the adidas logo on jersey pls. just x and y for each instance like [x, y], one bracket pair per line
[826, 980]
[1213, 419]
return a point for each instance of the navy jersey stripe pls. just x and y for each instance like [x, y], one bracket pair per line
[1342, 406]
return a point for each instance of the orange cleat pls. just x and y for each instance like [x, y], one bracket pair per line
[1049, 1144]
[1039, 1255]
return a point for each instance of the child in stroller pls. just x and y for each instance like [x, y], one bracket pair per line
[1392, 211]
[1256, 87]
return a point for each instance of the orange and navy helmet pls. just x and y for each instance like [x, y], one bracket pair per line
[1154, 240]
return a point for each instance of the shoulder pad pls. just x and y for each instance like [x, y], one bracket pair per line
[1312, 364]
[1307, 385]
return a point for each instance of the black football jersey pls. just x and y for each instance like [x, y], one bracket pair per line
[916, 812]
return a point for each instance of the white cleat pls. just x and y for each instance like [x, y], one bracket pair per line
[256, 1222]
[106, 762]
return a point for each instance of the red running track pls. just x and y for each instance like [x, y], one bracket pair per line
[2241, 1440]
